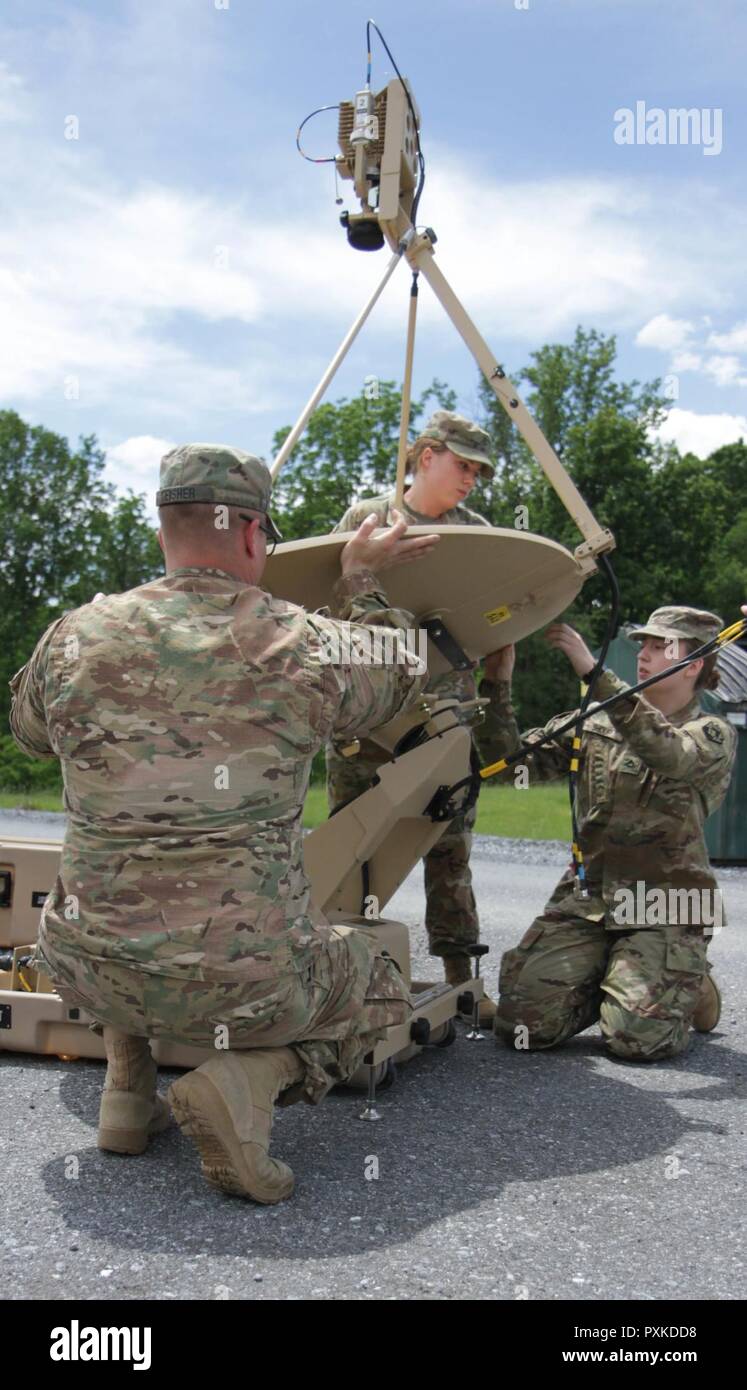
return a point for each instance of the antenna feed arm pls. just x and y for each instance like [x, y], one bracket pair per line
[598, 544]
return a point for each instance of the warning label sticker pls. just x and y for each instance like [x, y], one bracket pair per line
[497, 615]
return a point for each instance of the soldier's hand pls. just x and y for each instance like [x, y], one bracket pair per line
[565, 639]
[367, 551]
[499, 666]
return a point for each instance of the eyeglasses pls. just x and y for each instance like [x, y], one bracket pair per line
[271, 532]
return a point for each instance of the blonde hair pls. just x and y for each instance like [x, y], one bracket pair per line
[416, 451]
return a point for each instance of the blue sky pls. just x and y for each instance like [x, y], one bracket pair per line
[177, 272]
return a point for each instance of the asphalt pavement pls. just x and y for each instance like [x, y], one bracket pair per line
[491, 1174]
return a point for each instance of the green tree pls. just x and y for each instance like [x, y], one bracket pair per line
[348, 451]
[725, 588]
[694, 511]
[719, 509]
[729, 465]
[601, 429]
[65, 536]
[47, 496]
[127, 552]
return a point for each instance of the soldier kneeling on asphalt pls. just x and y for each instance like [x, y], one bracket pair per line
[652, 768]
[186, 714]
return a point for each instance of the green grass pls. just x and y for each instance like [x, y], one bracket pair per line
[31, 801]
[534, 813]
[531, 813]
[315, 810]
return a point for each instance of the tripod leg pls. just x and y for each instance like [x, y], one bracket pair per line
[345, 345]
[404, 419]
[509, 399]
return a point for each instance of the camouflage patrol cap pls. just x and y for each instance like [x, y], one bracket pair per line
[693, 624]
[462, 437]
[215, 473]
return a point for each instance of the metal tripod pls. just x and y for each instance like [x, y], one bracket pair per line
[417, 249]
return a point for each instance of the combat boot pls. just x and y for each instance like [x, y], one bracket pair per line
[708, 1008]
[226, 1106]
[130, 1108]
[458, 971]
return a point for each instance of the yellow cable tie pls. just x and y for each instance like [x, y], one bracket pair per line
[26, 986]
[574, 764]
[576, 741]
[728, 634]
[494, 767]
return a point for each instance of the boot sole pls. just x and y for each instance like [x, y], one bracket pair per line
[133, 1141]
[201, 1113]
[122, 1141]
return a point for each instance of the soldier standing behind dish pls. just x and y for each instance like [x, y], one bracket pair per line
[446, 460]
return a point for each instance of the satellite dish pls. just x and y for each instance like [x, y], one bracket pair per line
[488, 585]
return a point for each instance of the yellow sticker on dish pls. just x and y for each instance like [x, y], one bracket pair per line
[497, 615]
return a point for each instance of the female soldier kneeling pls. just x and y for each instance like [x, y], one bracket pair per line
[652, 768]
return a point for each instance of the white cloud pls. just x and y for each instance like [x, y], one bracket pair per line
[119, 294]
[686, 362]
[172, 300]
[668, 334]
[664, 333]
[700, 434]
[533, 259]
[13, 96]
[733, 341]
[135, 462]
[725, 371]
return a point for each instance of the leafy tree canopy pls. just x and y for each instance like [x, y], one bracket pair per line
[65, 536]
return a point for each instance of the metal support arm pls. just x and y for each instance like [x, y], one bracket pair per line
[290, 443]
[419, 253]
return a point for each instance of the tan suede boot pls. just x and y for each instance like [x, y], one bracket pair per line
[458, 971]
[708, 1008]
[226, 1106]
[130, 1108]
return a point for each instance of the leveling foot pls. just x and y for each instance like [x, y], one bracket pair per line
[477, 951]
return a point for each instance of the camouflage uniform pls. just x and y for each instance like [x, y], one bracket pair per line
[646, 784]
[451, 919]
[186, 714]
